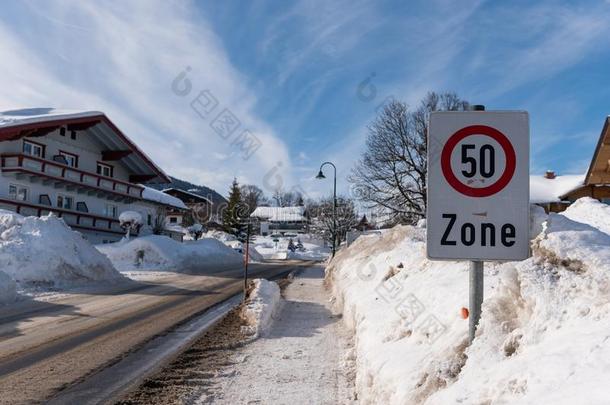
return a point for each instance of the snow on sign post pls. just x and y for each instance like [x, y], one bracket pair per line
[478, 191]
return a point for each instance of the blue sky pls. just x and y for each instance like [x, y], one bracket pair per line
[290, 72]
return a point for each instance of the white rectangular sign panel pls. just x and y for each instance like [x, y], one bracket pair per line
[478, 185]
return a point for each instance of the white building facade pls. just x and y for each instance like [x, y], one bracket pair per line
[79, 166]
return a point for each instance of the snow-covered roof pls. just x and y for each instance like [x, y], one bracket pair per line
[160, 197]
[16, 124]
[34, 115]
[188, 193]
[280, 214]
[543, 190]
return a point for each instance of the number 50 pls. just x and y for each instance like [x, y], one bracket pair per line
[486, 164]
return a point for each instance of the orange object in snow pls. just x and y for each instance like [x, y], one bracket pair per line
[464, 313]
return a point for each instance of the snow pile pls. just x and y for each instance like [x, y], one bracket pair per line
[45, 251]
[590, 211]
[254, 255]
[8, 289]
[261, 306]
[161, 253]
[220, 235]
[543, 336]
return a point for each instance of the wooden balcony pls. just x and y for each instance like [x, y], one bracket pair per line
[62, 176]
[75, 219]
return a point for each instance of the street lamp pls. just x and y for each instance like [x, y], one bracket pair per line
[322, 176]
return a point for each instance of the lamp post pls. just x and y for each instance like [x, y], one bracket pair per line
[322, 176]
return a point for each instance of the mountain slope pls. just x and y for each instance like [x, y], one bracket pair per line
[203, 191]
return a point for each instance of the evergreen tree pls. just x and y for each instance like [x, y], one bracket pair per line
[233, 216]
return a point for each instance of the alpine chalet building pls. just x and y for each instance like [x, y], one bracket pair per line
[79, 166]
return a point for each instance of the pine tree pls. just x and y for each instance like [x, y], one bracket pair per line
[232, 218]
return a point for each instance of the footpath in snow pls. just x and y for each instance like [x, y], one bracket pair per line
[299, 359]
[272, 350]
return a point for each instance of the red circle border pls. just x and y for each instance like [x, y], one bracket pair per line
[509, 170]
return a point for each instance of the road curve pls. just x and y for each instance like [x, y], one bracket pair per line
[47, 346]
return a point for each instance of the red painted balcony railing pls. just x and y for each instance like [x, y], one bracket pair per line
[20, 163]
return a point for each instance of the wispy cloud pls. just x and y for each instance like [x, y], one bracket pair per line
[121, 57]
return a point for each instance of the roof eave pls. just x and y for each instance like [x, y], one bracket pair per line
[600, 142]
[13, 131]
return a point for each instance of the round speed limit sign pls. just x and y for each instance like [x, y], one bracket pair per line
[486, 161]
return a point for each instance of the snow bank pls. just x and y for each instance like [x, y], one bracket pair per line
[45, 251]
[8, 289]
[590, 211]
[543, 336]
[261, 306]
[220, 235]
[254, 255]
[161, 253]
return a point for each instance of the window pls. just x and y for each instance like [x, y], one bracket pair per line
[43, 199]
[33, 149]
[65, 202]
[70, 158]
[17, 192]
[110, 210]
[149, 220]
[104, 170]
[173, 220]
[62, 131]
[60, 159]
[81, 206]
[73, 135]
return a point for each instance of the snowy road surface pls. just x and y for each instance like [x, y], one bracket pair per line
[299, 361]
[47, 345]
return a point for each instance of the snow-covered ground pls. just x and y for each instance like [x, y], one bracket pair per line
[544, 335]
[590, 212]
[160, 253]
[44, 252]
[313, 248]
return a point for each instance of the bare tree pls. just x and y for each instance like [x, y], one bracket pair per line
[391, 174]
[284, 198]
[321, 214]
[252, 196]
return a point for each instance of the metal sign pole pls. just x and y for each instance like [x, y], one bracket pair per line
[247, 260]
[476, 296]
[476, 283]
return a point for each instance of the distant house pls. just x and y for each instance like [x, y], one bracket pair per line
[281, 219]
[200, 207]
[364, 224]
[556, 193]
[80, 166]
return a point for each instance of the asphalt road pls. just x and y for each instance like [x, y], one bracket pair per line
[46, 346]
